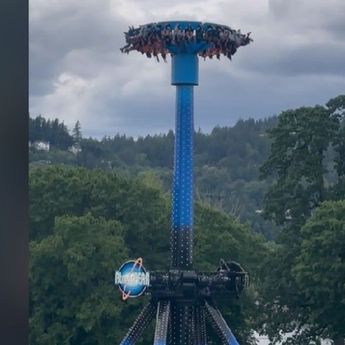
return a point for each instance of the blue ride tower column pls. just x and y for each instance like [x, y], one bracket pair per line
[183, 298]
[184, 77]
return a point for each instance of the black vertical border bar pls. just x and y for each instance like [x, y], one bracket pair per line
[14, 172]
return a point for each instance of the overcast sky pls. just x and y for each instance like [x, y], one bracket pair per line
[77, 71]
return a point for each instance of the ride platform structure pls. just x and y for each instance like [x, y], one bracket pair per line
[182, 299]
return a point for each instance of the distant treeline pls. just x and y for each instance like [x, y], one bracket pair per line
[52, 131]
[227, 162]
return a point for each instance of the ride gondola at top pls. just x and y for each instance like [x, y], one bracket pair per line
[208, 40]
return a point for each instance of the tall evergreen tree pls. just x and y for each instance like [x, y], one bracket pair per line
[337, 106]
[300, 143]
[77, 135]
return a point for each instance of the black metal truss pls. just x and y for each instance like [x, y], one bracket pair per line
[183, 300]
[200, 326]
[220, 325]
[140, 324]
[180, 324]
[162, 323]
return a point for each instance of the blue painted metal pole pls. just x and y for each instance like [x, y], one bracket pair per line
[184, 77]
[182, 307]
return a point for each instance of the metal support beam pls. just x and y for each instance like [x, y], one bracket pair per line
[162, 323]
[200, 326]
[139, 325]
[220, 325]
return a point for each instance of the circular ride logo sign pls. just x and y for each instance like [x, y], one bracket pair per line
[132, 279]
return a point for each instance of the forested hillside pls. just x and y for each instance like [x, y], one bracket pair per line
[85, 224]
[93, 209]
[227, 163]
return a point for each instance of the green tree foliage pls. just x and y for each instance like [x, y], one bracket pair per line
[302, 144]
[337, 106]
[52, 131]
[71, 296]
[320, 269]
[77, 136]
[59, 157]
[58, 191]
[226, 164]
[297, 282]
[219, 236]
[85, 223]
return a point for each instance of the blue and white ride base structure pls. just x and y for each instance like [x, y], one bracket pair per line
[182, 299]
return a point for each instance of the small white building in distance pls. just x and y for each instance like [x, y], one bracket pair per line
[40, 145]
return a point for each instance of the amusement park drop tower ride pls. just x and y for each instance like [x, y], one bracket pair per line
[182, 297]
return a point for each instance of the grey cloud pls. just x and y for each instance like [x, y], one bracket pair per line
[298, 37]
[263, 96]
[54, 36]
[318, 15]
[312, 58]
[78, 73]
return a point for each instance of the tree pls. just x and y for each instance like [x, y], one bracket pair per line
[85, 223]
[296, 161]
[72, 297]
[143, 211]
[237, 242]
[337, 106]
[226, 163]
[76, 134]
[320, 269]
[54, 132]
[297, 164]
